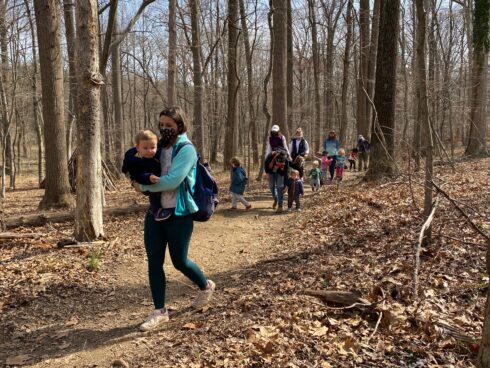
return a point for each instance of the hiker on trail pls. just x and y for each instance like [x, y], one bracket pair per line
[238, 182]
[331, 145]
[340, 164]
[276, 139]
[299, 150]
[178, 171]
[363, 151]
[142, 164]
[352, 159]
[277, 166]
[295, 190]
[315, 175]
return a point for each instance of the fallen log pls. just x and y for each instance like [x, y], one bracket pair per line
[8, 236]
[44, 218]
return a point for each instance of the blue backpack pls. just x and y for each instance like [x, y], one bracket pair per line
[205, 190]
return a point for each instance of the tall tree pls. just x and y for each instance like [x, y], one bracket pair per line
[373, 53]
[117, 100]
[198, 133]
[345, 73]
[172, 52]
[279, 64]
[423, 106]
[250, 86]
[69, 17]
[88, 214]
[231, 122]
[362, 87]
[383, 130]
[57, 188]
[477, 143]
[290, 68]
[316, 66]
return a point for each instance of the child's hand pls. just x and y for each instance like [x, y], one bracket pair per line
[154, 179]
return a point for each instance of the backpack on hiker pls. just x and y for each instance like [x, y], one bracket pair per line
[205, 189]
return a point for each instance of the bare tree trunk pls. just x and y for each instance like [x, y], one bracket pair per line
[117, 102]
[383, 137]
[317, 134]
[279, 64]
[88, 214]
[172, 52]
[290, 84]
[362, 119]
[424, 110]
[250, 89]
[373, 52]
[231, 123]
[198, 133]
[57, 192]
[345, 72]
[69, 9]
[35, 100]
[477, 143]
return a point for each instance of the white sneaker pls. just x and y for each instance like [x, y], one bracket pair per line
[157, 317]
[204, 296]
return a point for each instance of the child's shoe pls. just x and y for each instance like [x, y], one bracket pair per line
[279, 208]
[232, 209]
[248, 208]
[289, 209]
[274, 205]
[157, 317]
[204, 296]
[162, 214]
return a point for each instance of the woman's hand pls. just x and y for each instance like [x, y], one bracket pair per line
[136, 186]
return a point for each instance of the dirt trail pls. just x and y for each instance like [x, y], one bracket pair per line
[93, 326]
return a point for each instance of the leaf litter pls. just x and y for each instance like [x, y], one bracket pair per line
[358, 238]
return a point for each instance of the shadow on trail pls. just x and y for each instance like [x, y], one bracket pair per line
[60, 337]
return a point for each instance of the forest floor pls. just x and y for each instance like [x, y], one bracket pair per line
[357, 237]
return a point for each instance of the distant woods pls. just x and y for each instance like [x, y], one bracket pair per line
[345, 65]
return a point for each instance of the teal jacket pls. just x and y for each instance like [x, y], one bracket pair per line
[183, 166]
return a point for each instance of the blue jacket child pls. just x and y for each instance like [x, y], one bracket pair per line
[238, 180]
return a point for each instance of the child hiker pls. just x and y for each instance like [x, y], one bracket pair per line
[238, 182]
[295, 190]
[141, 163]
[315, 175]
[340, 164]
[325, 164]
[352, 159]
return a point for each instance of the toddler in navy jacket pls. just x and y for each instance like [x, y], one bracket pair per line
[141, 163]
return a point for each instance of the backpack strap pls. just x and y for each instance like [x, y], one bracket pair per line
[180, 146]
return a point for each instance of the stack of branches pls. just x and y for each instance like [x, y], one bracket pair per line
[108, 177]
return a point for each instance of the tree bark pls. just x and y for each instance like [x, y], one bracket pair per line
[57, 190]
[172, 53]
[231, 123]
[68, 11]
[317, 134]
[373, 53]
[279, 64]
[250, 89]
[477, 143]
[290, 70]
[198, 132]
[345, 72]
[362, 118]
[88, 213]
[117, 102]
[383, 137]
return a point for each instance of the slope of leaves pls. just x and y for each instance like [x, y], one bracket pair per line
[358, 237]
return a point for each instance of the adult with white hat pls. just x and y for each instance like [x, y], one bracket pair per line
[276, 139]
[299, 150]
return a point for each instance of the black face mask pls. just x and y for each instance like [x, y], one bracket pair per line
[168, 136]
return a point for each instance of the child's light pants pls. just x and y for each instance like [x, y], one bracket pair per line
[238, 198]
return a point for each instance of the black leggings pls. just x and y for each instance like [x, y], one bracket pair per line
[352, 164]
[331, 169]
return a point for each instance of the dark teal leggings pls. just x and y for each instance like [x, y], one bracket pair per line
[176, 232]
